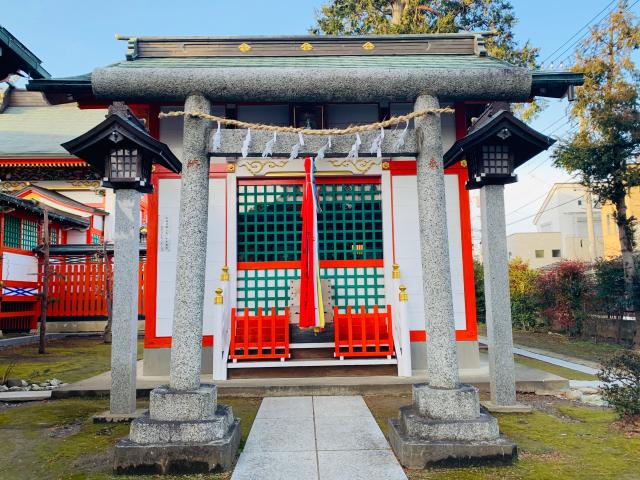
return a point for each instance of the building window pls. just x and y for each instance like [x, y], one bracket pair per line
[53, 236]
[95, 239]
[539, 253]
[11, 232]
[20, 233]
[579, 202]
[29, 235]
[270, 226]
[555, 253]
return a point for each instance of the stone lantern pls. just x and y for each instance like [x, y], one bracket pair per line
[497, 144]
[123, 152]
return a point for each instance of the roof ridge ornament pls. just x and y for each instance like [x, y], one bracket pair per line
[306, 47]
[368, 46]
[244, 47]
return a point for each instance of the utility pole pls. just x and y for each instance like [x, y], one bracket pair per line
[590, 231]
[45, 281]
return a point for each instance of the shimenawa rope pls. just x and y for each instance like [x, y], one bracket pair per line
[309, 131]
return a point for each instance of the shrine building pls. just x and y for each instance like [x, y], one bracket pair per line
[369, 239]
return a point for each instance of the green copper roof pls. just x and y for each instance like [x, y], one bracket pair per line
[15, 56]
[346, 61]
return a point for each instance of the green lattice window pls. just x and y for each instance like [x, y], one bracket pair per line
[269, 222]
[349, 222]
[53, 236]
[361, 286]
[29, 235]
[265, 288]
[95, 239]
[11, 232]
[355, 287]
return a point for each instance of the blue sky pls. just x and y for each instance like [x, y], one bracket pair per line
[75, 36]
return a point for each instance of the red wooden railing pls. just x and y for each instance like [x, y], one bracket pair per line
[19, 306]
[363, 334]
[259, 336]
[78, 289]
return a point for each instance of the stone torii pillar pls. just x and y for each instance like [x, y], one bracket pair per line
[502, 377]
[186, 429]
[444, 424]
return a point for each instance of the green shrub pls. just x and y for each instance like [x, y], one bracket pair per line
[565, 292]
[478, 282]
[621, 377]
[524, 295]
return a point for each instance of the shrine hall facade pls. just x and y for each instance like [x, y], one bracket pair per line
[368, 233]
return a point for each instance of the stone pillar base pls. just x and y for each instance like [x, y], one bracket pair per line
[178, 458]
[183, 432]
[446, 427]
[419, 453]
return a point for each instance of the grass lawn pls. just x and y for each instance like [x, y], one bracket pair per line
[58, 440]
[558, 441]
[68, 359]
[584, 349]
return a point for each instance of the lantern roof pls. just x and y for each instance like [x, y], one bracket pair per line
[92, 145]
[525, 141]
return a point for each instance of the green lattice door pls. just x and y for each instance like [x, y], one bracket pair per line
[350, 242]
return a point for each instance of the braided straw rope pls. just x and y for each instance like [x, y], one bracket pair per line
[308, 131]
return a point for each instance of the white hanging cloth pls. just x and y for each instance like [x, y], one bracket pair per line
[402, 138]
[295, 149]
[268, 148]
[353, 153]
[216, 140]
[376, 144]
[246, 143]
[323, 149]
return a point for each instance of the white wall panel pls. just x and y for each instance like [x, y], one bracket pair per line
[407, 247]
[19, 268]
[168, 215]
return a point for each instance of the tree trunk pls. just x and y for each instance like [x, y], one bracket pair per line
[45, 282]
[628, 263]
[397, 8]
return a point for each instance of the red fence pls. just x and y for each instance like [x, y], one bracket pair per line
[19, 305]
[363, 334]
[259, 336]
[78, 288]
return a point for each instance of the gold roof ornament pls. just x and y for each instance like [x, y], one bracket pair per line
[368, 46]
[463, 163]
[403, 297]
[395, 273]
[224, 274]
[218, 300]
[306, 47]
[244, 47]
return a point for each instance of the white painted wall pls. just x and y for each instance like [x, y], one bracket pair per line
[19, 268]
[407, 241]
[168, 214]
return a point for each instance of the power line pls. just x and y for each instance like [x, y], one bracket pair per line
[546, 210]
[583, 36]
[580, 30]
[526, 204]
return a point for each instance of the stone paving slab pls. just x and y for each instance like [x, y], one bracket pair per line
[349, 433]
[281, 435]
[286, 407]
[316, 438]
[25, 396]
[359, 465]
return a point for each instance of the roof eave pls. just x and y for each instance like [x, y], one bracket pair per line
[554, 84]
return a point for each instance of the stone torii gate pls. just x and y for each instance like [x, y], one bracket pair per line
[185, 428]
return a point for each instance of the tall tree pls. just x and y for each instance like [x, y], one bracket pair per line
[361, 17]
[604, 150]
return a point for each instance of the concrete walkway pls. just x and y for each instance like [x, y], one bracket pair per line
[316, 438]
